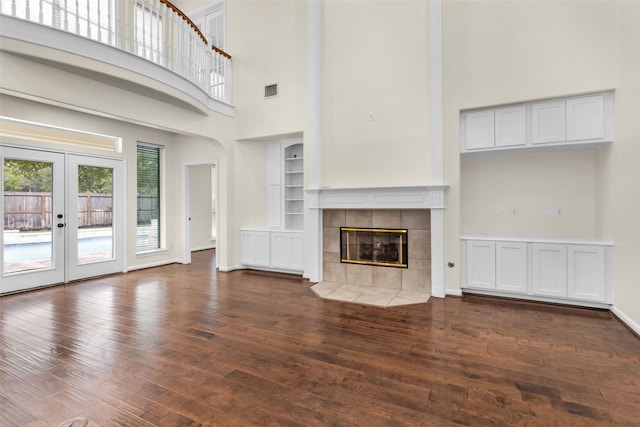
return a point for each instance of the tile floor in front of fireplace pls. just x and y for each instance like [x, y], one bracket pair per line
[380, 297]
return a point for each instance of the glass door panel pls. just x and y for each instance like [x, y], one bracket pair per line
[95, 190]
[95, 214]
[33, 219]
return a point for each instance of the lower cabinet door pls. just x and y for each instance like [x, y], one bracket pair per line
[511, 266]
[254, 248]
[586, 278]
[297, 251]
[549, 270]
[280, 250]
[287, 251]
[481, 264]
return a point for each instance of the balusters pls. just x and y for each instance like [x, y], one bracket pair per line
[165, 31]
[66, 15]
[109, 22]
[88, 20]
[77, 14]
[99, 23]
[159, 32]
[126, 42]
[151, 29]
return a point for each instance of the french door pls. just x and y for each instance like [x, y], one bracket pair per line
[63, 217]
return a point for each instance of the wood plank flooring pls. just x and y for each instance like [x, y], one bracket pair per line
[186, 346]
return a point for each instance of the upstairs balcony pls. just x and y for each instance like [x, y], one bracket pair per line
[155, 31]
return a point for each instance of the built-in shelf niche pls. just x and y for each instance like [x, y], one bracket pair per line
[293, 187]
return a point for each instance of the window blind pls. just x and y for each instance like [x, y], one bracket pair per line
[148, 189]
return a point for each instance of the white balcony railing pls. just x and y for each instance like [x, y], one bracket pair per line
[152, 29]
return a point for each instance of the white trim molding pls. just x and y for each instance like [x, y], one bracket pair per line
[411, 197]
[435, 55]
[625, 319]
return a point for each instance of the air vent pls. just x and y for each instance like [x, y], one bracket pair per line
[271, 90]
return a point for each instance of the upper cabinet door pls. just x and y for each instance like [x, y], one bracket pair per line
[548, 122]
[511, 126]
[479, 128]
[585, 118]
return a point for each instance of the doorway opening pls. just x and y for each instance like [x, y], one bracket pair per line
[201, 208]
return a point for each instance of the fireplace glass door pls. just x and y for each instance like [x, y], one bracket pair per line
[374, 246]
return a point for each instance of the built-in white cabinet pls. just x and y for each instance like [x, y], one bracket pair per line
[272, 250]
[574, 271]
[285, 185]
[510, 126]
[254, 248]
[549, 270]
[585, 118]
[284, 249]
[274, 186]
[535, 125]
[481, 264]
[479, 129]
[496, 265]
[287, 249]
[586, 272]
[511, 266]
[548, 122]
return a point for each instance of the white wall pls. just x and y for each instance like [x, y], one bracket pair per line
[375, 59]
[536, 186]
[507, 52]
[268, 44]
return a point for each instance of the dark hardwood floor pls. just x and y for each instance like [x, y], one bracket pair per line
[183, 346]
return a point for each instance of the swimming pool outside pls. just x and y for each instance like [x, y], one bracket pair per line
[32, 250]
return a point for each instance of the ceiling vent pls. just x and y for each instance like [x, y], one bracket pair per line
[271, 90]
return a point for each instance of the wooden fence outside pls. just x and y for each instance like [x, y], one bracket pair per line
[32, 211]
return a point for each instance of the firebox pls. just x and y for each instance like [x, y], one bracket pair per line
[374, 246]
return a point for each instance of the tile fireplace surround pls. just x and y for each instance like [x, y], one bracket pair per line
[375, 285]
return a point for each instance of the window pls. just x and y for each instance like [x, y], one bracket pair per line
[148, 185]
[149, 34]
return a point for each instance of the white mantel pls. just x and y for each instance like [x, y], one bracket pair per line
[407, 197]
[411, 197]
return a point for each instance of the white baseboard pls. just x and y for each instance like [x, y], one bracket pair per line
[230, 268]
[203, 248]
[625, 319]
[453, 292]
[153, 264]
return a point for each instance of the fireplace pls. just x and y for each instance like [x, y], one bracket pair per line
[417, 209]
[374, 246]
[358, 226]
